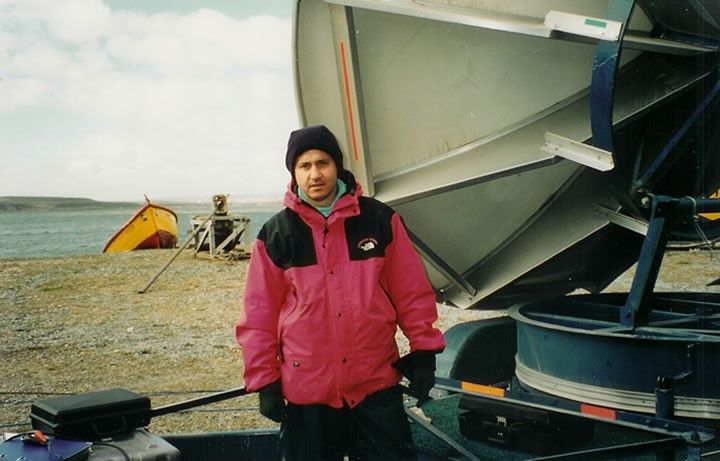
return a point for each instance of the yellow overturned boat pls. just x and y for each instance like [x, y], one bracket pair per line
[152, 226]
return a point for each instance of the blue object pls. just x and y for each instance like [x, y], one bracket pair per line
[55, 449]
[602, 89]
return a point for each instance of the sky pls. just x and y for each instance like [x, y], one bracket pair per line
[175, 99]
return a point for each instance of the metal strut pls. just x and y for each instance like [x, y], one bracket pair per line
[605, 64]
[666, 212]
[651, 172]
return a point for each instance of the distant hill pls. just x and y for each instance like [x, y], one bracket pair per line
[76, 203]
[57, 203]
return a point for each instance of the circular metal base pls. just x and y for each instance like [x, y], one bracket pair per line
[642, 402]
[576, 348]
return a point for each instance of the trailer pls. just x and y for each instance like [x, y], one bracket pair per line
[536, 150]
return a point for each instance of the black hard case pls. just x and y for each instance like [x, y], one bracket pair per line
[91, 415]
[529, 429]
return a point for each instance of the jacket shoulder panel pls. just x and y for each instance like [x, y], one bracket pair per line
[370, 232]
[288, 240]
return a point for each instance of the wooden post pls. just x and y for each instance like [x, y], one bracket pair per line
[175, 255]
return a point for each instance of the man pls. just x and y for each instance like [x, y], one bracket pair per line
[329, 280]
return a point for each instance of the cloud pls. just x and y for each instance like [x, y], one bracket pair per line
[172, 105]
[76, 21]
[205, 42]
[21, 92]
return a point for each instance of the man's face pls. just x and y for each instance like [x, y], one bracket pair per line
[316, 175]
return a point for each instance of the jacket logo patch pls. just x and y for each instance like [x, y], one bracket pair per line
[367, 244]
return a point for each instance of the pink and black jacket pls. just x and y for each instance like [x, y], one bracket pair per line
[324, 297]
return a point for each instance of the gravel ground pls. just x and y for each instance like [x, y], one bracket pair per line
[77, 324]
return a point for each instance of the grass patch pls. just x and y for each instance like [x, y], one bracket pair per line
[49, 286]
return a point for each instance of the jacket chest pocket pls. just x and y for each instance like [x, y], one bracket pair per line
[367, 238]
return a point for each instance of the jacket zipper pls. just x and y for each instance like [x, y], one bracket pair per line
[325, 226]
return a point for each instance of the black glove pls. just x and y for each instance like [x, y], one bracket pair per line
[419, 368]
[272, 404]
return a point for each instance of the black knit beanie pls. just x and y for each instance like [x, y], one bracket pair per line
[313, 137]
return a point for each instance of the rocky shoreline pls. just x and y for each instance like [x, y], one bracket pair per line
[77, 324]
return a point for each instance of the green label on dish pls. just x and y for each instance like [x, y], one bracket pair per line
[595, 22]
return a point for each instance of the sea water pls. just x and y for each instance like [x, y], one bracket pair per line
[79, 232]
